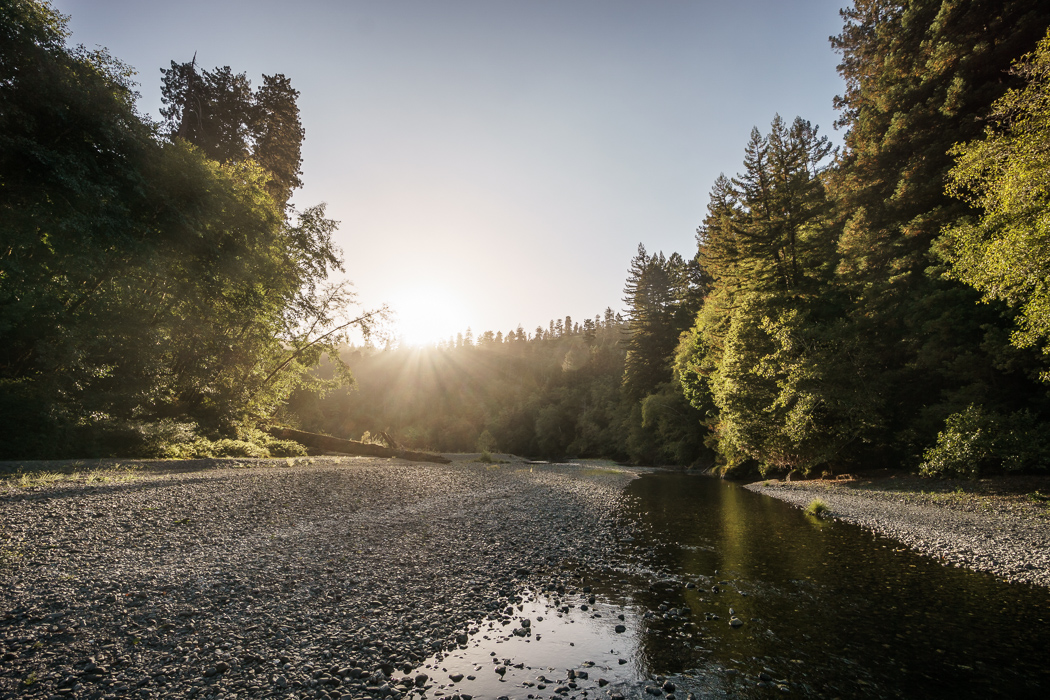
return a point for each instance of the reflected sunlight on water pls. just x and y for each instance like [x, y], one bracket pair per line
[728, 593]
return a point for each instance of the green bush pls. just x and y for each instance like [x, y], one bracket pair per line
[180, 442]
[817, 508]
[975, 441]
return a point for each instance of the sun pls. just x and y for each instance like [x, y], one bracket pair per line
[427, 315]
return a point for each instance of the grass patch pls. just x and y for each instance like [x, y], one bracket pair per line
[817, 508]
[41, 477]
[486, 458]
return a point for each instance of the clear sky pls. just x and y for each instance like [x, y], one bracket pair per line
[495, 163]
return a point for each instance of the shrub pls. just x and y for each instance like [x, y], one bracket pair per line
[486, 443]
[817, 508]
[250, 442]
[975, 441]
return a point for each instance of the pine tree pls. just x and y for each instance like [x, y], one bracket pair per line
[218, 112]
[657, 298]
[762, 360]
[919, 77]
[213, 110]
[279, 135]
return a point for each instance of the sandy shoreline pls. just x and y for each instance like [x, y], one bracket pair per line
[998, 526]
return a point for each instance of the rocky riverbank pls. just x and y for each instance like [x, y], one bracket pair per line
[327, 578]
[999, 525]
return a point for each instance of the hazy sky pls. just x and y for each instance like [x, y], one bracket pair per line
[501, 161]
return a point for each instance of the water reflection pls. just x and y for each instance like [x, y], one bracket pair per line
[570, 646]
[827, 607]
[731, 594]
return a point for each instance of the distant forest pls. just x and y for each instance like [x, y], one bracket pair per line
[884, 304]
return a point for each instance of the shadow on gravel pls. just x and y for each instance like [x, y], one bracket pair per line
[48, 479]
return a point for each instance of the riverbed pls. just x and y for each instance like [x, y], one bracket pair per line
[365, 578]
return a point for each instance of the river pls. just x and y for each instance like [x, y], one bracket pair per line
[822, 609]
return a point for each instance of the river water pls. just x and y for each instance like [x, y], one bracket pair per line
[821, 609]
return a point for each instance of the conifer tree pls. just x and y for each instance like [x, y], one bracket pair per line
[759, 361]
[218, 112]
[278, 135]
[919, 76]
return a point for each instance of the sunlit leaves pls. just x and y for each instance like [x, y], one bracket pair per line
[1006, 253]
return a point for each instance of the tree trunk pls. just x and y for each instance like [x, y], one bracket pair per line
[327, 443]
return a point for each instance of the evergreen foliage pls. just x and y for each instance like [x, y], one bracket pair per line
[832, 335]
[218, 112]
[920, 76]
[548, 396]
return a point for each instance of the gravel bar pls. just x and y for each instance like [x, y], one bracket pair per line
[1014, 546]
[327, 578]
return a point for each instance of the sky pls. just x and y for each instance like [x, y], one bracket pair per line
[497, 163]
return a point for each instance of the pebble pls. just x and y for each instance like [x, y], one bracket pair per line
[318, 579]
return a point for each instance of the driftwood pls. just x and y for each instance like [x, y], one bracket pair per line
[327, 443]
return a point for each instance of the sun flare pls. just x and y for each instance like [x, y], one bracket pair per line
[424, 316]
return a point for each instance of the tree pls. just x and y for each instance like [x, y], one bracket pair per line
[213, 110]
[754, 361]
[218, 112]
[1005, 254]
[144, 283]
[279, 135]
[919, 76]
[658, 300]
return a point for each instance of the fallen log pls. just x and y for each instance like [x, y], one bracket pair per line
[327, 443]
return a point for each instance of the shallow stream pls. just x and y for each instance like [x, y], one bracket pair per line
[727, 593]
